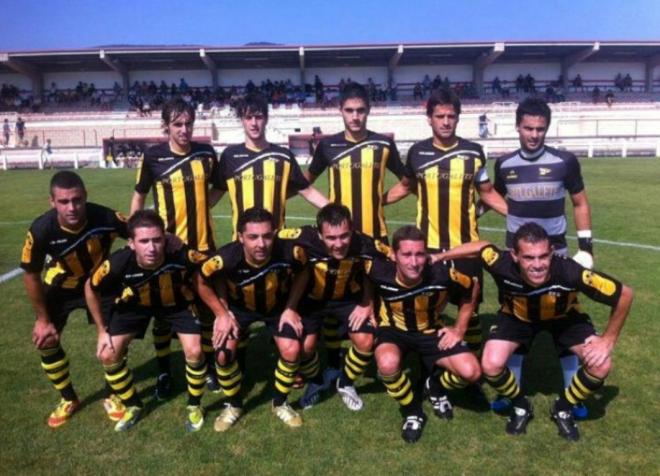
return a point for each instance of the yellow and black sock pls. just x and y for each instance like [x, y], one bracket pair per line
[285, 375]
[162, 333]
[56, 365]
[355, 363]
[450, 381]
[230, 378]
[196, 378]
[399, 387]
[310, 368]
[120, 378]
[506, 385]
[582, 385]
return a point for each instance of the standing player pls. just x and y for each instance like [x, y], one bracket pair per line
[412, 296]
[538, 290]
[535, 180]
[147, 281]
[254, 275]
[445, 172]
[77, 236]
[258, 173]
[184, 178]
[356, 159]
[336, 255]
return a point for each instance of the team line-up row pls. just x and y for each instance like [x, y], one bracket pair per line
[339, 278]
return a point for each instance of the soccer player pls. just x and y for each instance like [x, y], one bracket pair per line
[146, 281]
[257, 173]
[356, 159]
[184, 178]
[535, 180]
[446, 172]
[77, 236]
[336, 255]
[539, 292]
[254, 275]
[412, 294]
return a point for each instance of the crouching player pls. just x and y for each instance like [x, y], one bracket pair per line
[254, 276]
[539, 292]
[147, 281]
[412, 295]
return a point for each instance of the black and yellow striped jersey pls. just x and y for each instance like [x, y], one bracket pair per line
[416, 308]
[333, 279]
[180, 187]
[446, 181]
[556, 299]
[357, 176]
[168, 286]
[259, 289]
[70, 256]
[264, 178]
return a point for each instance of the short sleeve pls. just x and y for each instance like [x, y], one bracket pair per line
[394, 163]
[33, 253]
[573, 180]
[144, 180]
[297, 180]
[319, 161]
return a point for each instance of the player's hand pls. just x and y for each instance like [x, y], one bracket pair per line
[360, 314]
[449, 337]
[292, 318]
[224, 327]
[104, 342]
[584, 259]
[597, 350]
[42, 332]
[172, 243]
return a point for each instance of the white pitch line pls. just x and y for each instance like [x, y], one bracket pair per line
[18, 271]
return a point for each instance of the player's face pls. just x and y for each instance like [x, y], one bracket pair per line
[149, 246]
[70, 205]
[531, 132]
[534, 261]
[354, 111]
[410, 259]
[443, 122]
[254, 125]
[337, 238]
[257, 241]
[180, 130]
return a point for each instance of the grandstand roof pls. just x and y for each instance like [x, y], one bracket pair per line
[289, 56]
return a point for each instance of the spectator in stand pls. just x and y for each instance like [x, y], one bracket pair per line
[46, 155]
[618, 82]
[577, 83]
[628, 83]
[426, 83]
[437, 82]
[595, 94]
[20, 131]
[496, 85]
[418, 92]
[609, 98]
[520, 83]
[6, 131]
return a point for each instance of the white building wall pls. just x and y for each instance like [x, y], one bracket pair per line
[413, 74]
[510, 71]
[607, 71]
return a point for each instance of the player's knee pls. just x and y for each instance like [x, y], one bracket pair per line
[108, 356]
[471, 371]
[289, 349]
[492, 364]
[602, 370]
[388, 363]
[224, 356]
[363, 342]
[49, 343]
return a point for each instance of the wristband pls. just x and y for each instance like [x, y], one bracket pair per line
[585, 242]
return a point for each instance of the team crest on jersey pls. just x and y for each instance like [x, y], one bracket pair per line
[511, 175]
[544, 171]
[196, 257]
[289, 233]
[489, 255]
[601, 283]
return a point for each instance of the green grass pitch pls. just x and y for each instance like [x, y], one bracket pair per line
[621, 436]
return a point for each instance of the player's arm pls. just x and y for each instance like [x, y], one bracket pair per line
[452, 335]
[399, 191]
[313, 196]
[309, 176]
[466, 250]
[290, 315]
[582, 217]
[137, 202]
[365, 308]
[93, 300]
[43, 330]
[215, 194]
[225, 325]
[491, 198]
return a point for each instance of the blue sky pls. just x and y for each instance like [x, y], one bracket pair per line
[39, 24]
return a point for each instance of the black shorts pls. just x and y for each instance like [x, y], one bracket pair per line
[272, 321]
[314, 312]
[59, 304]
[182, 321]
[566, 332]
[426, 345]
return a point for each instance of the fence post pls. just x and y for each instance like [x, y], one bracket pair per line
[75, 161]
[624, 150]
[4, 161]
[590, 150]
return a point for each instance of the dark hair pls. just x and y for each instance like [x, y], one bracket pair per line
[354, 91]
[408, 232]
[144, 219]
[174, 108]
[254, 215]
[250, 104]
[443, 97]
[333, 214]
[530, 232]
[533, 107]
[67, 180]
